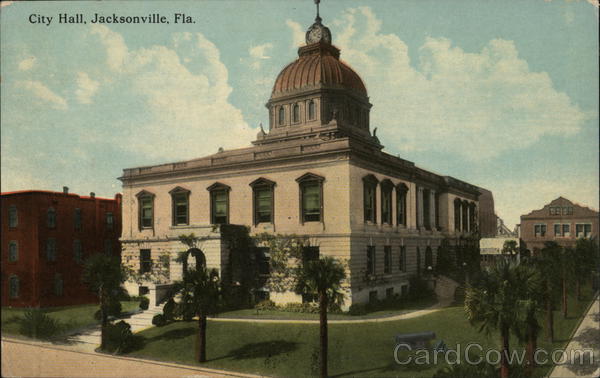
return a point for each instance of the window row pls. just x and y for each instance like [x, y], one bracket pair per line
[465, 215]
[564, 210]
[51, 250]
[371, 268]
[370, 184]
[263, 202]
[14, 286]
[311, 113]
[582, 230]
[109, 219]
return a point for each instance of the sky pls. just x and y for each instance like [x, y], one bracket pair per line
[501, 94]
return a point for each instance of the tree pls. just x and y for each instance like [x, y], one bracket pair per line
[568, 271]
[323, 278]
[103, 275]
[548, 263]
[198, 293]
[493, 301]
[510, 248]
[585, 260]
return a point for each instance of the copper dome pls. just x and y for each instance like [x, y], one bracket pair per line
[318, 64]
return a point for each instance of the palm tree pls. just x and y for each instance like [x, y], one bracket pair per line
[322, 278]
[493, 301]
[585, 260]
[104, 276]
[568, 275]
[549, 264]
[198, 293]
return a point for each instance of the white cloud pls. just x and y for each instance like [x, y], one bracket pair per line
[186, 106]
[298, 33]
[86, 88]
[27, 63]
[258, 54]
[489, 101]
[42, 92]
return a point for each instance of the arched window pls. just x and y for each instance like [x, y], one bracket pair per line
[401, 191]
[51, 218]
[296, 113]
[13, 218]
[13, 286]
[386, 201]
[369, 198]
[311, 110]
[13, 251]
[281, 119]
[145, 209]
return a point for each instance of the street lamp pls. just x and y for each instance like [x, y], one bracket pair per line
[464, 265]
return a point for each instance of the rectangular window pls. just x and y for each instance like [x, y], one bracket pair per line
[369, 201]
[263, 204]
[557, 230]
[389, 292]
[77, 251]
[77, 219]
[13, 287]
[371, 259]
[387, 259]
[311, 201]
[180, 208]
[583, 230]
[145, 261]
[567, 210]
[219, 205]
[13, 218]
[373, 296]
[386, 205]
[146, 212]
[566, 230]
[587, 230]
[13, 251]
[402, 264]
[108, 247]
[51, 218]
[51, 249]
[540, 230]
[110, 221]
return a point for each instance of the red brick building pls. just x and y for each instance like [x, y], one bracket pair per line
[46, 236]
[561, 221]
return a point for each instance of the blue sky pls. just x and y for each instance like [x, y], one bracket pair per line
[500, 94]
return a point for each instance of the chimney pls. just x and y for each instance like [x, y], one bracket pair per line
[65, 189]
[92, 195]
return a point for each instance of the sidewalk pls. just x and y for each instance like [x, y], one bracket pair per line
[587, 336]
[33, 359]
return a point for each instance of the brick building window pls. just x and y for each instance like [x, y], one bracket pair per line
[583, 230]
[567, 210]
[557, 230]
[371, 259]
[51, 218]
[13, 216]
[145, 209]
[311, 198]
[219, 203]
[566, 230]
[13, 251]
[58, 285]
[51, 249]
[386, 201]
[370, 198]
[77, 219]
[13, 286]
[180, 206]
[539, 230]
[387, 259]
[109, 219]
[77, 251]
[402, 260]
[262, 200]
[145, 261]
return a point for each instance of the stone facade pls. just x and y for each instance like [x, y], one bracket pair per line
[326, 177]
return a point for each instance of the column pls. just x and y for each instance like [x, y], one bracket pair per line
[432, 209]
[420, 212]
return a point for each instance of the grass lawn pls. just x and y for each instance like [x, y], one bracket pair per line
[71, 317]
[364, 349]
[279, 314]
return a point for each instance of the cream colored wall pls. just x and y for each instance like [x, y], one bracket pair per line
[286, 198]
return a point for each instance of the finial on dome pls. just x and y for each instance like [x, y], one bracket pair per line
[318, 18]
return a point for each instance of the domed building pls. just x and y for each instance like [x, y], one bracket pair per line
[318, 172]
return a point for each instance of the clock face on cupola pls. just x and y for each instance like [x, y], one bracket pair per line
[318, 32]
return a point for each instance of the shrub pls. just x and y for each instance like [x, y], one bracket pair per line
[169, 310]
[144, 303]
[159, 320]
[357, 309]
[118, 338]
[38, 325]
[419, 289]
[266, 304]
[309, 308]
